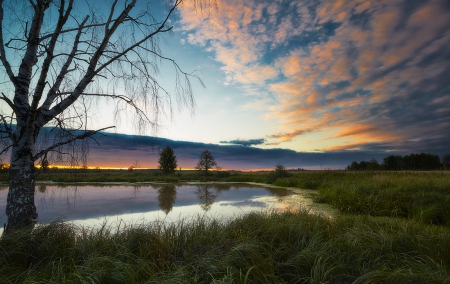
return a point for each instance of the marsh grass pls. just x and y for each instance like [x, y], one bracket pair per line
[134, 176]
[419, 196]
[289, 247]
[396, 231]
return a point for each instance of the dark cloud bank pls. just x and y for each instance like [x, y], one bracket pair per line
[122, 150]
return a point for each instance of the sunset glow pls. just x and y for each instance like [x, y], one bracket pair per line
[286, 81]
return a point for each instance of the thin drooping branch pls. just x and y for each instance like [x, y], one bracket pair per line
[78, 137]
[91, 70]
[127, 100]
[3, 58]
[160, 29]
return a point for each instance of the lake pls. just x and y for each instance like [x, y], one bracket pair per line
[93, 205]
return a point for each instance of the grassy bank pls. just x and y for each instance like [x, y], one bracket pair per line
[258, 248]
[420, 196]
[397, 231]
[139, 176]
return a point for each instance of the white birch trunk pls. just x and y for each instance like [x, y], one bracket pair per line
[20, 208]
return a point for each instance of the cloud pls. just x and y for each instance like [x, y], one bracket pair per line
[110, 153]
[360, 71]
[245, 142]
[288, 136]
[121, 151]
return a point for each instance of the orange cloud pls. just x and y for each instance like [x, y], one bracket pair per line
[288, 136]
[332, 83]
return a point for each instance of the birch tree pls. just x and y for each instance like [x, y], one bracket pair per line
[57, 61]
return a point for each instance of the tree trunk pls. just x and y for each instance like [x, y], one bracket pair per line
[20, 208]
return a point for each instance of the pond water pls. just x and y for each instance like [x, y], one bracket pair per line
[93, 205]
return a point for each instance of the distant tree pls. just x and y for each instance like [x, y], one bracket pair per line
[393, 163]
[373, 165]
[446, 161]
[421, 162]
[354, 166]
[167, 160]
[363, 165]
[408, 162]
[281, 171]
[206, 162]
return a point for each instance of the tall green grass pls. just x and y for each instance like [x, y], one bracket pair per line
[420, 196]
[256, 248]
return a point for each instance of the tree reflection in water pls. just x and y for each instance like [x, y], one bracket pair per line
[166, 197]
[42, 188]
[206, 196]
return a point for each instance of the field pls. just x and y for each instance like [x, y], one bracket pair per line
[394, 227]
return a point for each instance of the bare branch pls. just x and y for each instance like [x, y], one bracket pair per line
[9, 102]
[2, 49]
[6, 149]
[91, 72]
[79, 29]
[78, 137]
[28, 61]
[113, 6]
[52, 93]
[160, 29]
[8, 129]
[128, 101]
[62, 19]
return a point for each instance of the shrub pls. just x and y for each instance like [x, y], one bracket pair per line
[280, 172]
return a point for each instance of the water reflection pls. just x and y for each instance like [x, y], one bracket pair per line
[79, 203]
[42, 188]
[166, 197]
[206, 194]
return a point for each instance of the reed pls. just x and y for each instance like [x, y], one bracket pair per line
[289, 247]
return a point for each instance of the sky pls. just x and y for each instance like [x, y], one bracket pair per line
[304, 83]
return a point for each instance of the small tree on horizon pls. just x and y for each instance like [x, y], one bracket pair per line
[446, 161]
[167, 160]
[206, 162]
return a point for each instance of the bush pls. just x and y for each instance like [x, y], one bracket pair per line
[280, 172]
[222, 174]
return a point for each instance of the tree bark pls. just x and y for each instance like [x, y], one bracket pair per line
[20, 208]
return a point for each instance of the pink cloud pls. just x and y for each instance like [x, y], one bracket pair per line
[323, 78]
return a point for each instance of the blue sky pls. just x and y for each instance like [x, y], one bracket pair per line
[317, 79]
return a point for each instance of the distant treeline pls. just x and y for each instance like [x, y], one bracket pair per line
[413, 162]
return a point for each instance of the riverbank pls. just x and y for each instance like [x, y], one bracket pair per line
[393, 228]
[421, 196]
[288, 247]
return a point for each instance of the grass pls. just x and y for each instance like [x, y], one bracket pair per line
[420, 196]
[289, 247]
[134, 176]
[394, 229]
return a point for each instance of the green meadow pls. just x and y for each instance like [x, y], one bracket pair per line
[393, 227]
